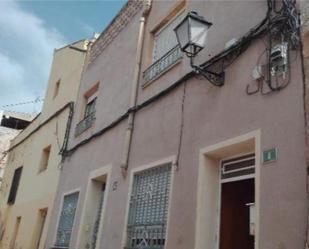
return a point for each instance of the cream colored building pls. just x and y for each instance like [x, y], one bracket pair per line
[33, 166]
[11, 123]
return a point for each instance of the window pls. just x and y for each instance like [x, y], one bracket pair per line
[45, 158]
[56, 90]
[165, 38]
[90, 98]
[165, 49]
[89, 110]
[66, 220]
[90, 107]
[149, 208]
[14, 186]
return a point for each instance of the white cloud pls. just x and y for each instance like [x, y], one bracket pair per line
[26, 49]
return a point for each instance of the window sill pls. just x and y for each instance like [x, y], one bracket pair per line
[161, 66]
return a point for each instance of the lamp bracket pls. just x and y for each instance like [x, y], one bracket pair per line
[217, 79]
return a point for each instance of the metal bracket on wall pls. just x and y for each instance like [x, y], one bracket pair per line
[217, 79]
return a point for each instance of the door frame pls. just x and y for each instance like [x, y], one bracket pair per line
[232, 179]
[208, 201]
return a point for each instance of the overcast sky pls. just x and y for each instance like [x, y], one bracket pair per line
[29, 32]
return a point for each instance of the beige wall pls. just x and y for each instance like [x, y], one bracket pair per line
[37, 189]
[6, 135]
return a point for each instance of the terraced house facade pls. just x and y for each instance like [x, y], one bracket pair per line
[169, 153]
[34, 157]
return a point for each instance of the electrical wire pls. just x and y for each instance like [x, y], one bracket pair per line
[252, 34]
[181, 128]
[283, 27]
[228, 56]
[68, 105]
[23, 103]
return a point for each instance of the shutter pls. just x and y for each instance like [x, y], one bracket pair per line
[165, 39]
[14, 186]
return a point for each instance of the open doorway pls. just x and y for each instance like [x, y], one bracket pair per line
[92, 217]
[236, 198]
[237, 203]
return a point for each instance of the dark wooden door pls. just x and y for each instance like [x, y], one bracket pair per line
[234, 228]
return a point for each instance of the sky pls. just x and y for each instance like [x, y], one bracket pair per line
[29, 32]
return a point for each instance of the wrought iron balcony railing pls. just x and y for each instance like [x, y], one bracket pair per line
[85, 124]
[162, 65]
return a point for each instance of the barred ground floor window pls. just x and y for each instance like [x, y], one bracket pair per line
[148, 209]
[66, 220]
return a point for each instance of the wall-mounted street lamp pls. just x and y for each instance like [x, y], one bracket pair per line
[191, 35]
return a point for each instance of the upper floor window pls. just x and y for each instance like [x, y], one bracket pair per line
[90, 106]
[14, 185]
[165, 49]
[89, 109]
[45, 158]
[164, 39]
[56, 90]
[66, 220]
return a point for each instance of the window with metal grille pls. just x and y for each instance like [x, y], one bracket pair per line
[165, 38]
[90, 107]
[14, 186]
[66, 220]
[238, 167]
[149, 208]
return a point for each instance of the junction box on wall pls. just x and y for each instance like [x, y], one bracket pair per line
[279, 59]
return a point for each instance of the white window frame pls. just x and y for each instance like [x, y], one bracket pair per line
[59, 214]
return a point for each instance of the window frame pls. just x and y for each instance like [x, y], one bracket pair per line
[59, 217]
[168, 160]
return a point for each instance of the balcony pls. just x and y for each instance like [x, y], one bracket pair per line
[85, 124]
[162, 65]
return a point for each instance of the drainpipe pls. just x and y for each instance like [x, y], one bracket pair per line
[134, 90]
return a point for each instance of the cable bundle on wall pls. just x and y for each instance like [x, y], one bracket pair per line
[282, 28]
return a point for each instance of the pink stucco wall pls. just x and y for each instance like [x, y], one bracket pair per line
[211, 115]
